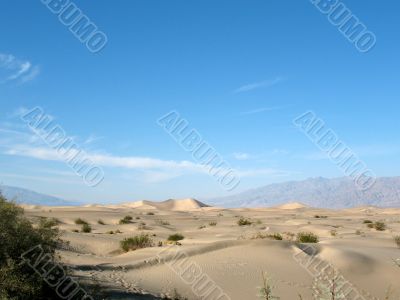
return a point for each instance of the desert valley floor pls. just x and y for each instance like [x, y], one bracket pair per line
[231, 256]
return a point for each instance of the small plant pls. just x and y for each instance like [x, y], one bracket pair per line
[370, 225]
[212, 223]
[244, 222]
[142, 226]
[307, 237]
[266, 291]
[162, 222]
[150, 213]
[175, 237]
[202, 226]
[320, 217]
[380, 226]
[358, 232]
[137, 218]
[368, 222]
[136, 242]
[75, 230]
[110, 232]
[126, 220]
[333, 232]
[289, 235]
[86, 228]
[397, 240]
[101, 222]
[80, 221]
[48, 222]
[160, 244]
[275, 236]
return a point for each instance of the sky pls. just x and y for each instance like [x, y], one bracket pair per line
[239, 73]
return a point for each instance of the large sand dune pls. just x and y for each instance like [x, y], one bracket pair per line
[228, 254]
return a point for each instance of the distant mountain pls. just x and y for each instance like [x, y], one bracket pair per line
[318, 192]
[24, 196]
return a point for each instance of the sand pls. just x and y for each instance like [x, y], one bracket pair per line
[228, 255]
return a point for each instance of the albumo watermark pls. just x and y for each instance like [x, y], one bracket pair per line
[55, 137]
[78, 23]
[339, 153]
[340, 16]
[54, 274]
[202, 152]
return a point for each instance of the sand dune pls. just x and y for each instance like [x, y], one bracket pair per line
[230, 255]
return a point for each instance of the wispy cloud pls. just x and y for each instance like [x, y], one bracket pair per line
[257, 85]
[13, 69]
[241, 156]
[261, 109]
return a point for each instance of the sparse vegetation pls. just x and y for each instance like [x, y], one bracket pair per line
[48, 222]
[202, 226]
[80, 221]
[101, 222]
[150, 213]
[142, 226]
[397, 240]
[212, 223]
[275, 236]
[380, 226]
[126, 220]
[266, 291]
[162, 222]
[136, 242]
[244, 222]
[320, 217]
[307, 237]
[175, 237]
[368, 222]
[86, 228]
[333, 232]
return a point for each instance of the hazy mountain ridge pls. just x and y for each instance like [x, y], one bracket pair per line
[318, 192]
[25, 196]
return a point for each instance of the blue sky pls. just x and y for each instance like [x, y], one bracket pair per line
[238, 71]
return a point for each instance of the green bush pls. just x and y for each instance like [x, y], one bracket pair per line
[126, 220]
[136, 242]
[86, 228]
[18, 280]
[48, 222]
[380, 226]
[176, 237]
[80, 221]
[307, 237]
[244, 222]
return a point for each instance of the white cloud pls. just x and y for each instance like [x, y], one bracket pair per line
[257, 85]
[260, 110]
[14, 69]
[241, 156]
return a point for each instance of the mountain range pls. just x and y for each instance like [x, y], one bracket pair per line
[318, 192]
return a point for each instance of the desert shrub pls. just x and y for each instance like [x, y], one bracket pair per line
[333, 232]
[289, 235]
[101, 222]
[75, 230]
[266, 290]
[380, 226]
[86, 228]
[358, 232]
[150, 213]
[48, 222]
[175, 237]
[212, 223]
[397, 240]
[202, 226]
[18, 235]
[307, 237]
[110, 232]
[370, 225]
[367, 222]
[275, 236]
[320, 217]
[244, 222]
[126, 220]
[136, 242]
[162, 222]
[80, 221]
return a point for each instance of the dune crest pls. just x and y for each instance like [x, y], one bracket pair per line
[171, 204]
[292, 205]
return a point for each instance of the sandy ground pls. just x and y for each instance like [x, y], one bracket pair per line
[226, 259]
